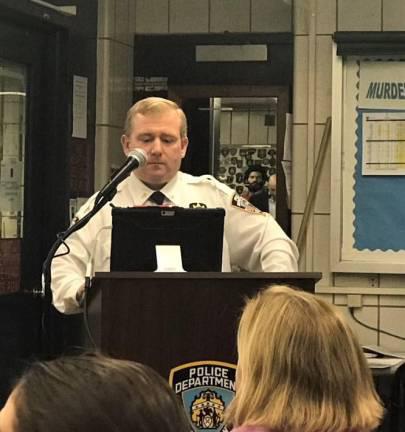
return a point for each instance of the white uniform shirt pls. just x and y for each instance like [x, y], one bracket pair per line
[252, 240]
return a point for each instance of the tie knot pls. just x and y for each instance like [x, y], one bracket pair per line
[157, 197]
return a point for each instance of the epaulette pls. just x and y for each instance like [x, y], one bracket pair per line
[209, 179]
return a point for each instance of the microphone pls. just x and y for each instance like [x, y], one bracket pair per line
[136, 159]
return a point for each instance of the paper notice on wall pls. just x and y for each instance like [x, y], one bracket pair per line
[79, 129]
[383, 143]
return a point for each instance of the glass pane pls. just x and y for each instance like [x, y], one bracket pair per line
[247, 137]
[12, 138]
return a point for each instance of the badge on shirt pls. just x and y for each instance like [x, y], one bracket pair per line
[244, 204]
[197, 205]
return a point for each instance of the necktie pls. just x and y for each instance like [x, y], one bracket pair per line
[157, 197]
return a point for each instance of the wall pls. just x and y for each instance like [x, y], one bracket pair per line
[314, 22]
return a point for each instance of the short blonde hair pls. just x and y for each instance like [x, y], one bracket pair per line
[301, 367]
[154, 105]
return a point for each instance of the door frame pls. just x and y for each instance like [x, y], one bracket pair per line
[47, 130]
[179, 93]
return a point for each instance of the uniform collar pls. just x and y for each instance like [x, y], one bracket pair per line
[140, 193]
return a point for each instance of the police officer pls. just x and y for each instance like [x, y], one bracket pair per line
[252, 239]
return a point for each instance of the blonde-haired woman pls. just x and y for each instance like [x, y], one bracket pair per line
[300, 368]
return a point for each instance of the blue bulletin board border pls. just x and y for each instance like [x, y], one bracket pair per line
[379, 203]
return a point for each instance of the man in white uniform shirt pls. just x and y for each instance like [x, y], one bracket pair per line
[252, 240]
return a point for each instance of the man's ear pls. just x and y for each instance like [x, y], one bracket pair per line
[125, 144]
[184, 144]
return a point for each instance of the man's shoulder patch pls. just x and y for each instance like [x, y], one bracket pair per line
[243, 204]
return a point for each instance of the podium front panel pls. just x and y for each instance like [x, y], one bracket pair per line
[168, 319]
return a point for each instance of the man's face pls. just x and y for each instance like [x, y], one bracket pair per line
[255, 181]
[159, 135]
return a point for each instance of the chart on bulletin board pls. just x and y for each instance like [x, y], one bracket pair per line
[373, 166]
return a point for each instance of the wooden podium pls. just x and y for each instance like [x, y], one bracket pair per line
[167, 319]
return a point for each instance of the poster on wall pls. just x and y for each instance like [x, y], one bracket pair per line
[371, 173]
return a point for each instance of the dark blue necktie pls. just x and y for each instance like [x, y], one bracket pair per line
[157, 197]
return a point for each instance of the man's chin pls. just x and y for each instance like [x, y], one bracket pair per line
[153, 181]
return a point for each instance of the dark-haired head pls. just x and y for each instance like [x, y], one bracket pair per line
[256, 168]
[95, 393]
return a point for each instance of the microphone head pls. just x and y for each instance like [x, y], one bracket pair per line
[140, 155]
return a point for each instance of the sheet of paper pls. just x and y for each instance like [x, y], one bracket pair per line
[383, 143]
[79, 129]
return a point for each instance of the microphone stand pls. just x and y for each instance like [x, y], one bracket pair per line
[46, 343]
[136, 158]
[101, 201]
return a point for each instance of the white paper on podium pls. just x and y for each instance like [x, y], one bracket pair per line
[168, 258]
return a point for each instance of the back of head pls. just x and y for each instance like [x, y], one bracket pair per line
[154, 106]
[96, 393]
[300, 367]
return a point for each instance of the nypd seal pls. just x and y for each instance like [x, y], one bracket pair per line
[205, 389]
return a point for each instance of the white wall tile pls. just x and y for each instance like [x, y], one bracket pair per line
[272, 136]
[271, 16]
[108, 152]
[121, 79]
[132, 19]
[116, 155]
[323, 83]
[355, 280]
[392, 300]
[392, 320]
[225, 128]
[367, 300]
[359, 15]
[258, 131]
[229, 15]
[106, 19]
[322, 198]
[321, 248]
[393, 15]
[326, 17]
[239, 128]
[326, 297]
[189, 16]
[104, 71]
[299, 168]
[392, 281]
[300, 88]
[368, 315]
[152, 16]
[122, 22]
[301, 16]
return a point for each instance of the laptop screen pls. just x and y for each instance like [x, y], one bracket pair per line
[137, 231]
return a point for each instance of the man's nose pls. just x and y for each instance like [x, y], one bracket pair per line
[157, 146]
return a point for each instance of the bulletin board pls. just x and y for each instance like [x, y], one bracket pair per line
[368, 165]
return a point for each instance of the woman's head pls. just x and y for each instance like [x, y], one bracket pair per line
[94, 393]
[300, 367]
